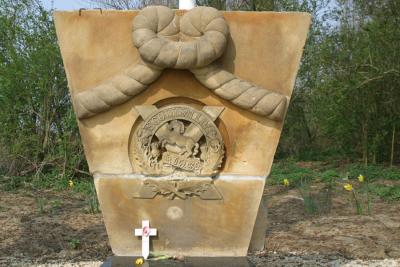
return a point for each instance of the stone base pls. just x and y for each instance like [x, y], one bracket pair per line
[188, 262]
[192, 227]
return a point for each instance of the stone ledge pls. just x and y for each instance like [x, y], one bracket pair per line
[188, 262]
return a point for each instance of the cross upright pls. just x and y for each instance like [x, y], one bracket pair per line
[145, 232]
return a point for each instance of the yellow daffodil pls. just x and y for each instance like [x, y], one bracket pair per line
[139, 261]
[348, 187]
[361, 178]
[286, 182]
[70, 183]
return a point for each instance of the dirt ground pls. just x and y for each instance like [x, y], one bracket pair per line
[340, 231]
[46, 227]
[52, 234]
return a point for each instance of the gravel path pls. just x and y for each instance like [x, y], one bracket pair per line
[273, 260]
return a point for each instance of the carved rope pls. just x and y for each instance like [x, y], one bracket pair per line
[116, 91]
[157, 31]
[242, 93]
[193, 41]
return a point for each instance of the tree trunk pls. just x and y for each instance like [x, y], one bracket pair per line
[365, 144]
[253, 5]
[392, 150]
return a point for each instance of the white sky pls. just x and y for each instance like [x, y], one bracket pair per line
[65, 4]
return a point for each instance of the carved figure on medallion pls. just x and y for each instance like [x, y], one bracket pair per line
[176, 142]
[177, 139]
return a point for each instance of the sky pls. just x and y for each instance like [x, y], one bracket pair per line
[65, 4]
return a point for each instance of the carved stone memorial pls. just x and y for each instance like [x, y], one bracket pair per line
[180, 114]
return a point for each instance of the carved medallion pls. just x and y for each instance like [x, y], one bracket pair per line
[177, 139]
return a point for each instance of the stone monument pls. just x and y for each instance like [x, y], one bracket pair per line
[180, 113]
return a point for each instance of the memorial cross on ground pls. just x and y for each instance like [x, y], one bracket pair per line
[145, 232]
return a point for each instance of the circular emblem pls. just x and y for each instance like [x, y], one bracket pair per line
[176, 139]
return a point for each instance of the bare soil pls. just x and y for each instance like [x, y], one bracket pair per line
[340, 231]
[63, 229]
[47, 226]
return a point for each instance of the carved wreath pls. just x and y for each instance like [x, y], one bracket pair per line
[194, 41]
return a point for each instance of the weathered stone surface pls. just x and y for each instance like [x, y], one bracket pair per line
[257, 242]
[192, 41]
[192, 227]
[263, 50]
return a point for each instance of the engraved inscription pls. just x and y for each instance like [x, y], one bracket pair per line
[183, 163]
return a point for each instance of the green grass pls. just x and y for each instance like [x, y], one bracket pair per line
[41, 204]
[12, 183]
[332, 172]
[329, 175]
[326, 172]
[386, 192]
[74, 243]
[83, 187]
[289, 170]
[47, 181]
[373, 172]
[310, 202]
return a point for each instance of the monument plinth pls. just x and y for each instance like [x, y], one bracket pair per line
[180, 114]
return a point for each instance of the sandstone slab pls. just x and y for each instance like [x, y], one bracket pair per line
[151, 127]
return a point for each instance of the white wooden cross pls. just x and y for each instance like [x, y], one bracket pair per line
[145, 232]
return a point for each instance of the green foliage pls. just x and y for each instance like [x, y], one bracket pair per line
[38, 131]
[291, 171]
[346, 93]
[92, 202]
[12, 183]
[373, 172]
[386, 192]
[310, 204]
[329, 175]
[40, 204]
[74, 243]
[319, 200]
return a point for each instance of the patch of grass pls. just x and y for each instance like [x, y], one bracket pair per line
[12, 183]
[92, 202]
[374, 172]
[55, 206]
[329, 176]
[84, 186]
[316, 200]
[41, 204]
[74, 243]
[50, 180]
[386, 192]
[289, 170]
[310, 205]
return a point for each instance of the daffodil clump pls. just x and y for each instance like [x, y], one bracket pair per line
[139, 261]
[350, 188]
[286, 182]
